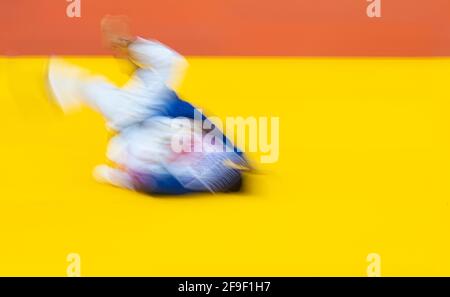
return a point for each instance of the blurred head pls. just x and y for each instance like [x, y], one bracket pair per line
[116, 32]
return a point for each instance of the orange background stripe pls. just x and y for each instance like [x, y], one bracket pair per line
[235, 27]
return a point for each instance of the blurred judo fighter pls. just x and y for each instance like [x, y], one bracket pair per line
[149, 120]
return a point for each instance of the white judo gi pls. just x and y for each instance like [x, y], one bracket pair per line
[140, 113]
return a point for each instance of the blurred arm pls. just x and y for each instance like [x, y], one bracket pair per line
[165, 62]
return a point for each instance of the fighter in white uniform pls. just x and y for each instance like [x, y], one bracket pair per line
[146, 114]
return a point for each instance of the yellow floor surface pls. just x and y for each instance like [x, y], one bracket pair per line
[364, 168]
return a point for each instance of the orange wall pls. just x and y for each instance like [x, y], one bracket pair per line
[235, 27]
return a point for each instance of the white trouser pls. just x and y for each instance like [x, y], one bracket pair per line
[160, 69]
[123, 107]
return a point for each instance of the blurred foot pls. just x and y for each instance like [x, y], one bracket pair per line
[109, 175]
[63, 83]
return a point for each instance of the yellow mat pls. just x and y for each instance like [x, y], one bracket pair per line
[364, 167]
